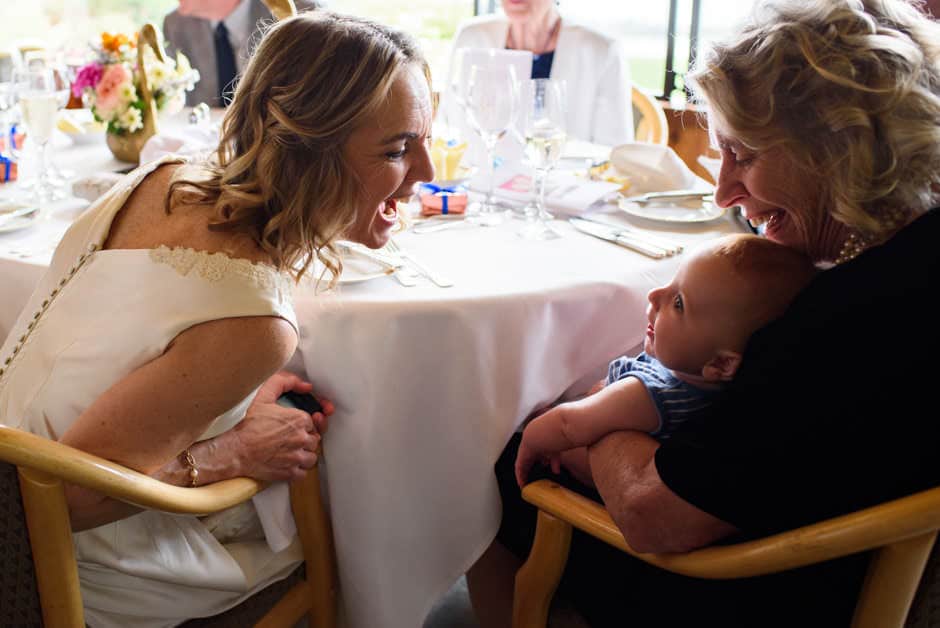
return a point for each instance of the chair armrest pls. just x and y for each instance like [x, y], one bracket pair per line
[860, 531]
[78, 467]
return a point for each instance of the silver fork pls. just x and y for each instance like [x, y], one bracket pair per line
[409, 258]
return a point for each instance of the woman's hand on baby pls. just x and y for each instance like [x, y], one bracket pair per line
[278, 443]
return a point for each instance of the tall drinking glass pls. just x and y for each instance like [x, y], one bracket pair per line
[38, 99]
[492, 101]
[543, 123]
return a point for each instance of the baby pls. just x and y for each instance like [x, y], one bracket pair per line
[698, 327]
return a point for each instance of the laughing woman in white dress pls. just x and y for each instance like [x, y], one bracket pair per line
[165, 316]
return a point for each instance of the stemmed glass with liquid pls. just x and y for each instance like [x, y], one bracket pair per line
[543, 122]
[36, 93]
[491, 102]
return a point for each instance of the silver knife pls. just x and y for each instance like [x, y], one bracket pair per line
[669, 246]
[6, 217]
[617, 237]
[673, 195]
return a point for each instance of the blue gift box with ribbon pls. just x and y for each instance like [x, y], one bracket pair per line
[8, 169]
[436, 199]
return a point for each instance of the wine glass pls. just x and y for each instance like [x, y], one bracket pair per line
[36, 93]
[491, 101]
[543, 123]
[62, 76]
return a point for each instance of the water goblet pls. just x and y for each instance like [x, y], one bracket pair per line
[491, 102]
[543, 122]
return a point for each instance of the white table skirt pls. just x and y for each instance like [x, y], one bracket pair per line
[430, 383]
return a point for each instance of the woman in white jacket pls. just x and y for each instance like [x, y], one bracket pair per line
[592, 64]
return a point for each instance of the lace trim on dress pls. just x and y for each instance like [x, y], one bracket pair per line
[216, 266]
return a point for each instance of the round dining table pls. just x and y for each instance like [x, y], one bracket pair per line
[429, 382]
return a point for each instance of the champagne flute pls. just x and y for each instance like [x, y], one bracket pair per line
[62, 77]
[492, 100]
[543, 121]
[39, 104]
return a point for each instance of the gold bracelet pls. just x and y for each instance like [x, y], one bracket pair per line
[186, 458]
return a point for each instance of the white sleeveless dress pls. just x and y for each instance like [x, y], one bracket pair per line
[96, 316]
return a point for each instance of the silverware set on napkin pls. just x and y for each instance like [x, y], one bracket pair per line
[640, 241]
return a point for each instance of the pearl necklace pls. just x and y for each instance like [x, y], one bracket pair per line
[853, 245]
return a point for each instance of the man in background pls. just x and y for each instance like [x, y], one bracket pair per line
[216, 35]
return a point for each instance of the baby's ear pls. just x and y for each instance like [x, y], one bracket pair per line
[722, 367]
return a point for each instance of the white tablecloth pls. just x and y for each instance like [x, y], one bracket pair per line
[430, 383]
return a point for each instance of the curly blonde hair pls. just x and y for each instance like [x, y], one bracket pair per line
[850, 88]
[279, 176]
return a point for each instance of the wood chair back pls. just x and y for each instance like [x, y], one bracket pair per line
[900, 534]
[41, 466]
[649, 118]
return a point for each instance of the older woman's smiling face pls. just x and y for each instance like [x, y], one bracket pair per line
[773, 191]
[388, 154]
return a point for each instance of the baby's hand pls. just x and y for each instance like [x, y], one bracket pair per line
[597, 387]
[525, 458]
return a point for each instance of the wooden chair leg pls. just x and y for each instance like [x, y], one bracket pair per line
[538, 578]
[891, 582]
[316, 536]
[50, 539]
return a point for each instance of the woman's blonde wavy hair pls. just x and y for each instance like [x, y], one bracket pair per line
[279, 176]
[850, 89]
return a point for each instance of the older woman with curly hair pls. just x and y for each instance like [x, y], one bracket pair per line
[827, 114]
[166, 313]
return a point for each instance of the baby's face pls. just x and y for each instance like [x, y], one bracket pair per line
[694, 316]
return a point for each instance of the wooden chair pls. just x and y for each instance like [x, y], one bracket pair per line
[649, 118]
[281, 9]
[39, 578]
[901, 533]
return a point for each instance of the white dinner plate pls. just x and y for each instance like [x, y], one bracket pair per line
[356, 268]
[20, 222]
[695, 211]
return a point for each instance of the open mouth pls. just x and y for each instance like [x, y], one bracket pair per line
[769, 219]
[390, 209]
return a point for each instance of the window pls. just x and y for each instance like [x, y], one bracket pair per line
[432, 22]
[644, 29]
[71, 24]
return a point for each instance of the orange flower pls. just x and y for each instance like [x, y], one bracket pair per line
[113, 43]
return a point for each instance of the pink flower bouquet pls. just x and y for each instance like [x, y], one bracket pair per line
[110, 84]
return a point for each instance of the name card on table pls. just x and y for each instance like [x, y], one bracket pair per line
[565, 193]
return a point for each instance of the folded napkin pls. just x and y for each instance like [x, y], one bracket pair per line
[274, 511]
[93, 186]
[192, 140]
[565, 193]
[653, 168]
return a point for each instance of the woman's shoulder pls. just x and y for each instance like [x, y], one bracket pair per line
[587, 35]
[480, 25]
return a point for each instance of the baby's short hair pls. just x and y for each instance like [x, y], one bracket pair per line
[773, 273]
